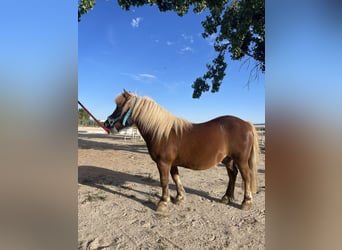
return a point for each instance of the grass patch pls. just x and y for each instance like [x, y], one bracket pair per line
[95, 197]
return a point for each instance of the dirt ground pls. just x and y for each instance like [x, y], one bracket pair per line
[118, 189]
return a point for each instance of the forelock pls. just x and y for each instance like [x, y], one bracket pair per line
[120, 100]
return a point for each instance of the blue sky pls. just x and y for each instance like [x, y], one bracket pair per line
[158, 55]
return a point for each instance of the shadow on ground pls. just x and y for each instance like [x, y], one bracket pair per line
[87, 141]
[99, 178]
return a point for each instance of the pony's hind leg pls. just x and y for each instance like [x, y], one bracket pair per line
[232, 173]
[180, 189]
[246, 176]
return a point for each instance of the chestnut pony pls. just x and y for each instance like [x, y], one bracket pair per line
[173, 142]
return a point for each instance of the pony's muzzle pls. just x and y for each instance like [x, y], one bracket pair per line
[110, 124]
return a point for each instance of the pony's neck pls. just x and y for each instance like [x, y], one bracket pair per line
[155, 122]
[146, 134]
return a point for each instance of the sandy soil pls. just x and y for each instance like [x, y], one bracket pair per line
[118, 189]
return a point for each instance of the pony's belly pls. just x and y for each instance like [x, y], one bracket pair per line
[199, 165]
[201, 161]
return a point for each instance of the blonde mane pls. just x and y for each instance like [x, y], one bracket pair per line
[154, 119]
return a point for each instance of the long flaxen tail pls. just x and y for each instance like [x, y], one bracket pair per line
[254, 160]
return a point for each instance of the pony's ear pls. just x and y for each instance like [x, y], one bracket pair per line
[126, 93]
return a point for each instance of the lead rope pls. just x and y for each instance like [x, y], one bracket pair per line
[97, 121]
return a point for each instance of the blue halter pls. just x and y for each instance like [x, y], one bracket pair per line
[127, 117]
[126, 120]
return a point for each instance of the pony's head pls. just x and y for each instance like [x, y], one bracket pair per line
[121, 117]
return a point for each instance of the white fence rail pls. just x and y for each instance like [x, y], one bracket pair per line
[131, 133]
[260, 127]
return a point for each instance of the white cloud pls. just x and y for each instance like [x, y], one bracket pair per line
[169, 43]
[147, 76]
[187, 38]
[136, 22]
[143, 77]
[185, 49]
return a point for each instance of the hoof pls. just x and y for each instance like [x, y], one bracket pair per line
[179, 199]
[162, 207]
[227, 200]
[246, 205]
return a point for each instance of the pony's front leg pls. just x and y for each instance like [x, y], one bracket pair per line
[164, 170]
